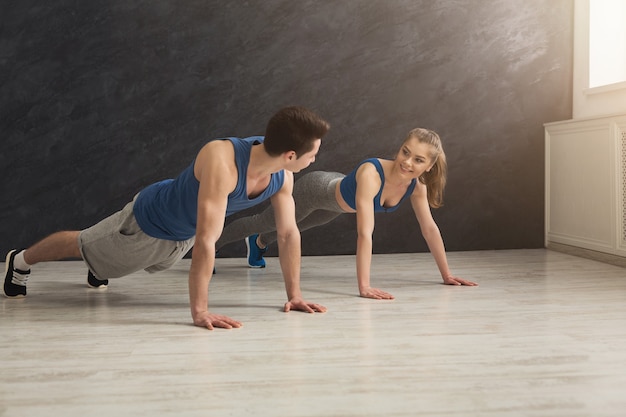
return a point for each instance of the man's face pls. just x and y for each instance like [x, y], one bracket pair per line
[298, 164]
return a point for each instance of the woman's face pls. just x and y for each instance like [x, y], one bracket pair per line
[414, 158]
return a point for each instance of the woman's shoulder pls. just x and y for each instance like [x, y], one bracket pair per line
[368, 166]
[419, 188]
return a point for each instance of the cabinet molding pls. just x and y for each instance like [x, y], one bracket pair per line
[586, 184]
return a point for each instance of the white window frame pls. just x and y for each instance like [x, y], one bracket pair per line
[597, 101]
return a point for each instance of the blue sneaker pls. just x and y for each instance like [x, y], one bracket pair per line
[255, 253]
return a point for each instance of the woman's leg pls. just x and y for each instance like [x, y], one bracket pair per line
[311, 192]
[246, 226]
[314, 195]
[317, 218]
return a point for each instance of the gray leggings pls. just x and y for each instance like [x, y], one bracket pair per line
[314, 195]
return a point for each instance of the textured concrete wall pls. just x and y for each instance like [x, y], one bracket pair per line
[100, 98]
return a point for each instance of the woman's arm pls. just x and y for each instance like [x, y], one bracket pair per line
[432, 235]
[368, 185]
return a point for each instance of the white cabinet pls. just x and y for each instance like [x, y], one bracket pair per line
[586, 185]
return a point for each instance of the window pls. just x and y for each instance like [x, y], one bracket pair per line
[607, 42]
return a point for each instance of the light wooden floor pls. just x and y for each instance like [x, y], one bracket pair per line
[543, 335]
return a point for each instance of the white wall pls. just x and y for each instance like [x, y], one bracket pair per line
[588, 102]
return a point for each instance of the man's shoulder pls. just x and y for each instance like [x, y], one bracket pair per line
[217, 156]
[217, 149]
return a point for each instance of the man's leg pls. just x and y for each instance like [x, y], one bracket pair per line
[60, 245]
[57, 246]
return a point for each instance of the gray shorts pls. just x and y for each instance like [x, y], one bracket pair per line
[116, 246]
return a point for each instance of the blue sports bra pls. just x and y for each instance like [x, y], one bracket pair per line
[348, 188]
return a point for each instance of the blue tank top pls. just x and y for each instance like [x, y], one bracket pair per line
[169, 209]
[348, 188]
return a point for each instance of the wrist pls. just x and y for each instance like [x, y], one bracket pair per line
[294, 294]
[197, 311]
[446, 274]
[295, 299]
[363, 282]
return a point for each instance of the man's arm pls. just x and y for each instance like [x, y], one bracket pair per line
[215, 169]
[289, 251]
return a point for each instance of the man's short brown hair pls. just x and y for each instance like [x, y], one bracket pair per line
[295, 129]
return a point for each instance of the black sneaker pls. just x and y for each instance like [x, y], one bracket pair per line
[94, 282]
[14, 279]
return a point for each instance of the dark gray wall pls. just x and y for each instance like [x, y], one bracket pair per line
[99, 98]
